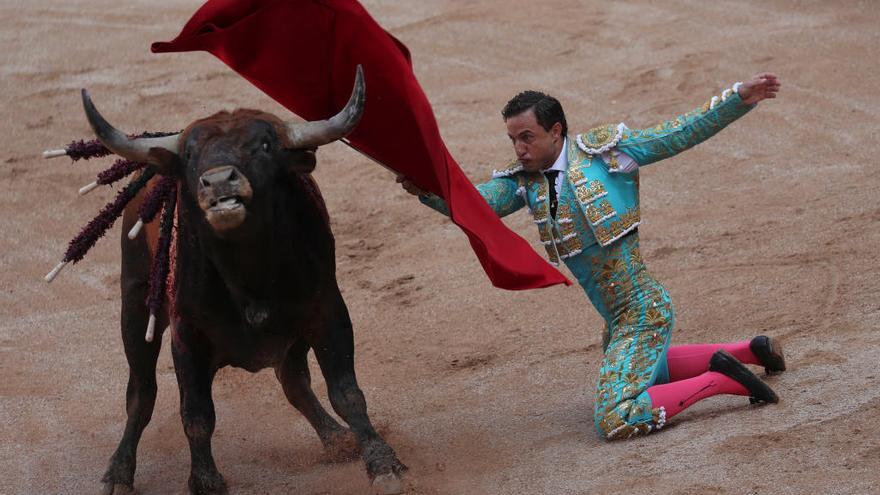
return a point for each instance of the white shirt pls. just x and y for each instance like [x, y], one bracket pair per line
[561, 164]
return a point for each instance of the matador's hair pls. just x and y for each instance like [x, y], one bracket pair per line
[547, 109]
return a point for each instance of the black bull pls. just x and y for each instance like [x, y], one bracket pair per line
[255, 285]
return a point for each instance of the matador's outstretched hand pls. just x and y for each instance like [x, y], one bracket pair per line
[760, 87]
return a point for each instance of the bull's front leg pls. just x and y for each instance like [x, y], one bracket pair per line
[293, 373]
[333, 344]
[195, 375]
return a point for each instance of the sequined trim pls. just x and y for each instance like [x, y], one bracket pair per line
[566, 229]
[540, 214]
[660, 421]
[617, 229]
[573, 253]
[589, 193]
[724, 96]
[623, 430]
[597, 214]
[600, 139]
[544, 232]
[511, 169]
[576, 175]
[573, 245]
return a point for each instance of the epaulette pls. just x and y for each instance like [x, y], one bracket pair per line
[600, 139]
[510, 169]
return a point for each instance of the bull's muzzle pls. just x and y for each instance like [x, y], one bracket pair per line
[223, 194]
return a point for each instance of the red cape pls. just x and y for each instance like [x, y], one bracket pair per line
[303, 53]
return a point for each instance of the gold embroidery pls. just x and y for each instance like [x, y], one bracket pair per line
[615, 427]
[542, 186]
[587, 193]
[541, 209]
[613, 165]
[603, 235]
[573, 244]
[658, 340]
[575, 174]
[551, 253]
[596, 214]
[616, 227]
[599, 136]
[563, 212]
[606, 235]
[544, 232]
[630, 217]
[540, 212]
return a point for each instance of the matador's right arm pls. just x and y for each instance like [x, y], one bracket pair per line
[501, 193]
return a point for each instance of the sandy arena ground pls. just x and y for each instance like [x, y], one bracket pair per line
[767, 228]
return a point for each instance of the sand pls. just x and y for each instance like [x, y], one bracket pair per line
[767, 228]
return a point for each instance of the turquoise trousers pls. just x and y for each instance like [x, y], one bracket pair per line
[639, 318]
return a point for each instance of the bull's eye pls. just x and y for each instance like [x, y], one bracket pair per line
[265, 145]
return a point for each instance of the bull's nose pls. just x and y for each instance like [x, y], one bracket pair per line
[218, 176]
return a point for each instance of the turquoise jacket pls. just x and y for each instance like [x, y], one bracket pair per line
[598, 201]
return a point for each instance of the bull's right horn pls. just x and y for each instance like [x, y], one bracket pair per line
[137, 150]
[321, 132]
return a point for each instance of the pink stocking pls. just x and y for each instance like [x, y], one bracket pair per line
[677, 396]
[687, 361]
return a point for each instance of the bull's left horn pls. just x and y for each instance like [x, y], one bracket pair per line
[321, 132]
[137, 150]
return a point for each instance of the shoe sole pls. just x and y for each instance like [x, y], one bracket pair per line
[723, 362]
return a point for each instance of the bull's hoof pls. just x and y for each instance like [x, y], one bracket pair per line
[387, 484]
[341, 446]
[118, 489]
[208, 485]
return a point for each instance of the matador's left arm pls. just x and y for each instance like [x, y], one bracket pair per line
[624, 150]
[669, 138]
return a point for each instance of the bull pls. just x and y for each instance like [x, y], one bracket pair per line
[255, 284]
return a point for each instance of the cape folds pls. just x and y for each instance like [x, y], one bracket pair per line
[303, 53]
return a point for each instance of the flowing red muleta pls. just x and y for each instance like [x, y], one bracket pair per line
[304, 54]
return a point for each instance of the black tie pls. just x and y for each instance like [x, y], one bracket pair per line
[551, 178]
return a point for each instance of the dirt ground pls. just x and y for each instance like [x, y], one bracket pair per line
[767, 228]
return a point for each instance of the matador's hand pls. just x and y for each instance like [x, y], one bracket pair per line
[760, 87]
[409, 187]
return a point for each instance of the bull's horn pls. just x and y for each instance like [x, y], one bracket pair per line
[137, 150]
[321, 132]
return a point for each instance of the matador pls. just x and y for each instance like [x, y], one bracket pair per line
[583, 193]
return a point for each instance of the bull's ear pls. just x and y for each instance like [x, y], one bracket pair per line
[298, 161]
[166, 162]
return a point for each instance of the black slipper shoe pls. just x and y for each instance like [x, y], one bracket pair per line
[723, 362]
[769, 352]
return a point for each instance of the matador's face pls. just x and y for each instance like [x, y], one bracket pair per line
[536, 148]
